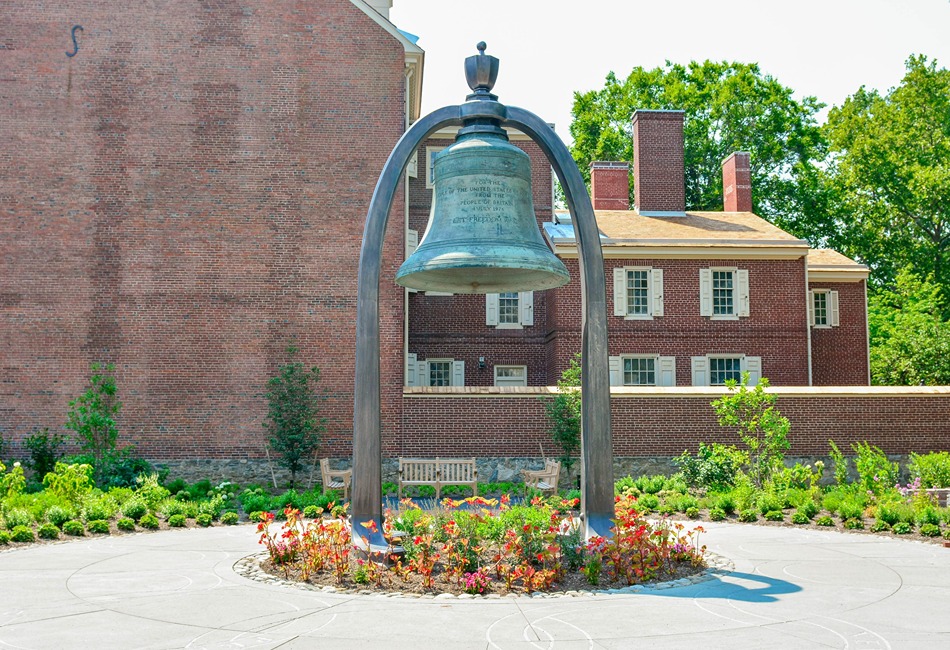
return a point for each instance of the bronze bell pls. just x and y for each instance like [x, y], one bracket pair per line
[482, 235]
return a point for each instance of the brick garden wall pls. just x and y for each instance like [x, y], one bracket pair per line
[184, 198]
[667, 421]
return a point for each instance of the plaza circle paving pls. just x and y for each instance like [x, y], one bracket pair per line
[790, 588]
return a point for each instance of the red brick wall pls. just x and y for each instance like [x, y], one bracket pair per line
[659, 170]
[184, 198]
[840, 354]
[664, 422]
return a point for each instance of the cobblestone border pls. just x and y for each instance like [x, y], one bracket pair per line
[250, 567]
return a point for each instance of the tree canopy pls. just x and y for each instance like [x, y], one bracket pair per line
[728, 107]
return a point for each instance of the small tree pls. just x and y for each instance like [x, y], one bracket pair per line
[760, 426]
[44, 451]
[565, 413]
[92, 416]
[293, 420]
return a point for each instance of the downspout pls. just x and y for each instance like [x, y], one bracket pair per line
[867, 332]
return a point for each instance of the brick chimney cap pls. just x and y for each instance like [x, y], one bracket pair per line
[658, 110]
[609, 164]
[736, 153]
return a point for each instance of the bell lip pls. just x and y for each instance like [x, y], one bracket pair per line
[496, 279]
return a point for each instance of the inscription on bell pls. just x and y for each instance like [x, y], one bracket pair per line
[478, 200]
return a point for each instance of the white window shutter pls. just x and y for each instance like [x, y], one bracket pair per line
[412, 241]
[666, 371]
[753, 366]
[411, 375]
[615, 364]
[526, 307]
[705, 293]
[742, 282]
[811, 308]
[412, 167]
[656, 276]
[422, 372]
[833, 307]
[620, 292]
[491, 309]
[699, 367]
[458, 373]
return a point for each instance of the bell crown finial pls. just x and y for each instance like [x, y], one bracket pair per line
[481, 71]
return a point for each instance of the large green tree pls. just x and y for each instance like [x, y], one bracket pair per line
[890, 166]
[728, 107]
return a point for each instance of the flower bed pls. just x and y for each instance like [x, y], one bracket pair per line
[481, 546]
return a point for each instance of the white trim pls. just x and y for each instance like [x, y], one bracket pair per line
[412, 375]
[656, 287]
[833, 306]
[430, 170]
[701, 368]
[458, 373]
[505, 381]
[741, 304]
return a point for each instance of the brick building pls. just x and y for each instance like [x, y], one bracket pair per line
[186, 201]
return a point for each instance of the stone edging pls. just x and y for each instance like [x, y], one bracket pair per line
[250, 567]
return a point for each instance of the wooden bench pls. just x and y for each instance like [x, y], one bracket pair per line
[543, 480]
[438, 472]
[335, 479]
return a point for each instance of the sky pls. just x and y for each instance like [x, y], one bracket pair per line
[551, 49]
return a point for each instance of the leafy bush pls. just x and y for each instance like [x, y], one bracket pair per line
[120, 494]
[134, 509]
[98, 526]
[775, 515]
[902, 528]
[311, 512]
[717, 514]
[759, 424]
[649, 501]
[692, 512]
[880, 527]
[825, 520]
[875, 471]
[12, 482]
[70, 481]
[176, 521]
[176, 485]
[626, 486]
[930, 530]
[44, 451]
[650, 484]
[149, 521]
[22, 534]
[833, 499]
[17, 517]
[767, 502]
[171, 507]
[231, 518]
[889, 513]
[212, 507]
[564, 412]
[854, 524]
[726, 503]
[808, 508]
[125, 524]
[932, 469]
[946, 534]
[103, 507]
[48, 531]
[59, 515]
[927, 515]
[257, 515]
[799, 517]
[713, 467]
[150, 491]
[840, 464]
[204, 519]
[74, 527]
[749, 515]
[851, 508]
[255, 500]
[92, 415]
[4, 537]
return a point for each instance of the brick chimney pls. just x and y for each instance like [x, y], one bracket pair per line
[736, 183]
[610, 185]
[659, 176]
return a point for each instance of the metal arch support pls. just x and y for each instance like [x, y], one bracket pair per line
[597, 507]
[597, 475]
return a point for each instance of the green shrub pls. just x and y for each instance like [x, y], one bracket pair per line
[257, 514]
[59, 515]
[880, 526]
[103, 507]
[48, 531]
[17, 517]
[204, 519]
[799, 517]
[888, 513]
[200, 489]
[932, 469]
[4, 537]
[255, 502]
[125, 524]
[44, 451]
[626, 486]
[98, 526]
[176, 521]
[927, 515]
[150, 491]
[749, 515]
[840, 465]
[833, 498]
[22, 534]
[726, 503]
[854, 524]
[946, 533]
[648, 501]
[134, 509]
[717, 514]
[930, 530]
[808, 508]
[825, 520]
[74, 527]
[230, 518]
[650, 484]
[666, 509]
[212, 507]
[120, 495]
[171, 507]
[692, 512]
[875, 471]
[149, 521]
[851, 509]
[902, 528]
[775, 515]
[311, 512]
[769, 503]
[183, 495]
[713, 467]
[176, 485]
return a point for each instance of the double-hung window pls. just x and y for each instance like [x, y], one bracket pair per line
[642, 370]
[823, 308]
[434, 372]
[638, 292]
[717, 369]
[509, 310]
[723, 293]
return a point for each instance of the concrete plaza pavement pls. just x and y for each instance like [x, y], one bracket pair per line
[790, 588]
